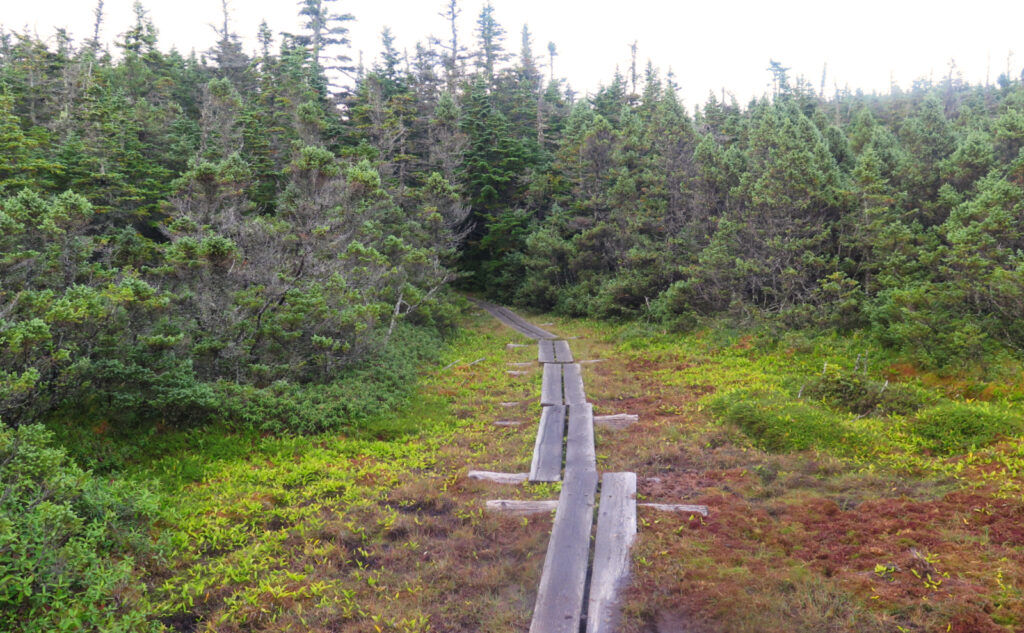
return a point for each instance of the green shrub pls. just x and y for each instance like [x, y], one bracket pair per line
[957, 426]
[350, 402]
[779, 425]
[69, 541]
[856, 393]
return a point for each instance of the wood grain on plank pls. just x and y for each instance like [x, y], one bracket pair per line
[562, 352]
[573, 378]
[559, 605]
[547, 450]
[551, 385]
[616, 530]
[579, 444]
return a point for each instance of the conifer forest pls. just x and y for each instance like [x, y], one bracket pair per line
[243, 371]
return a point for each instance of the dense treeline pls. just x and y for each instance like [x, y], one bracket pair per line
[176, 227]
[902, 213]
[174, 222]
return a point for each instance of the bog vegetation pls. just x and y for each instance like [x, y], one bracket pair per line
[211, 258]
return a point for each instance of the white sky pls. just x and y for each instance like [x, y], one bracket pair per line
[709, 45]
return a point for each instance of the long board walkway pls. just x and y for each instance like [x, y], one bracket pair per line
[565, 597]
[513, 320]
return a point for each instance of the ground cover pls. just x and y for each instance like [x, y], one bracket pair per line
[846, 492]
[341, 532]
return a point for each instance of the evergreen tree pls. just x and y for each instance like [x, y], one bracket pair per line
[490, 43]
[325, 30]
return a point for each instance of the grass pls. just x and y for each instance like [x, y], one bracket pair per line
[345, 532]
[847, 492]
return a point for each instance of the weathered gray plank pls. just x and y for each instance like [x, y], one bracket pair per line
[545, 352]
[560, 594]
[547, 450]
[499, 478]
[617, 421]
[551, 385]
[677, 507]
[616, 529]
[573, 379]
[579, 443]
[562, 352]
[519, 507]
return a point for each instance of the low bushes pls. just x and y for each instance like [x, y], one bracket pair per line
[778, 424]
[953, 427]
[69, 542]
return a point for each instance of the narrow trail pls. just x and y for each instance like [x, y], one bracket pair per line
[572, 590]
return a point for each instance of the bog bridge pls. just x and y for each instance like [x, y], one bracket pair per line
[574, 588]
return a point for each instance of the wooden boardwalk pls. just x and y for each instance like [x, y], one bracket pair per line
[513, 320]
[563, 603]
[547, 450]
[551, 385]
[559, 605]
[546, 352]
[616, 529]
[572, 379]
[562, 352]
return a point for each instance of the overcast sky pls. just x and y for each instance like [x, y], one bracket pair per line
[710, 45]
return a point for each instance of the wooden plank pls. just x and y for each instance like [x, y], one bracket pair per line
[499, 478]
[616, 530]
[617, 421]
[547, 450]
[573, 379]
[521, 508]
[677, 507]
[562, 352]
[545, 352]
[551, 385]
[508, 423]
[559, 603]
[579, 444]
